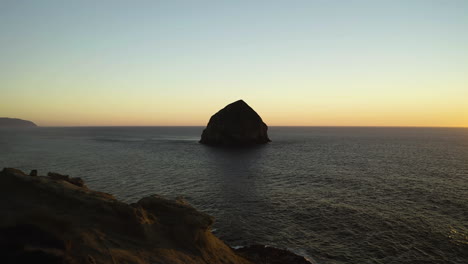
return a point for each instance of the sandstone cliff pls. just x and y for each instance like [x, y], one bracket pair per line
[53, 220]
[57, 219]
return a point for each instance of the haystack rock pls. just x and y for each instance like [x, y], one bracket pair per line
[237, 124]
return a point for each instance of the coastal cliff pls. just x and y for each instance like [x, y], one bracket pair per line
[58, 219]
[15, 122]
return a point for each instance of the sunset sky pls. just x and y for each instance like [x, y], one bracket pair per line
[308, 63]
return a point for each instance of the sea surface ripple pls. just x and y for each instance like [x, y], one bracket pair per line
[332, 194]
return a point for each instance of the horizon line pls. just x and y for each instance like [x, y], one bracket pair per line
[318, 126]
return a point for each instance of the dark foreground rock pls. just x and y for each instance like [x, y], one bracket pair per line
[237, 124]
[261, 254]
[57, 219]
[15, 122]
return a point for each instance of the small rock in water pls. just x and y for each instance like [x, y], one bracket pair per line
[270, 255]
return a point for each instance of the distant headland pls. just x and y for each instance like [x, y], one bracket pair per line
[15, 122]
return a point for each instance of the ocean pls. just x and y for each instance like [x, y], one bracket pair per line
[331, 194]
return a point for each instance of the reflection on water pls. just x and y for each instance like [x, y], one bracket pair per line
[339, 195]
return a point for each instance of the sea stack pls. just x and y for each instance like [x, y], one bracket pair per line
[237, 124]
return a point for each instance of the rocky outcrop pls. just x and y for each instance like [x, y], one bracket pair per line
[52, 219]
[237, 124]
[57, 176]
[49, 219]
[15, 122]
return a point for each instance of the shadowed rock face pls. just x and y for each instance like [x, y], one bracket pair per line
[15, 122]
[237, 124]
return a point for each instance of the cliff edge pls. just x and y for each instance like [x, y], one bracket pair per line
[58, 219]
[52, 219]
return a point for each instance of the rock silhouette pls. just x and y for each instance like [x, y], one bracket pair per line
[237, 124]
[15, 122]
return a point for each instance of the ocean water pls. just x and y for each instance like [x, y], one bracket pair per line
[332, 194]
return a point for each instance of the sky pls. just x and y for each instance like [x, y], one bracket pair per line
[297, 63]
